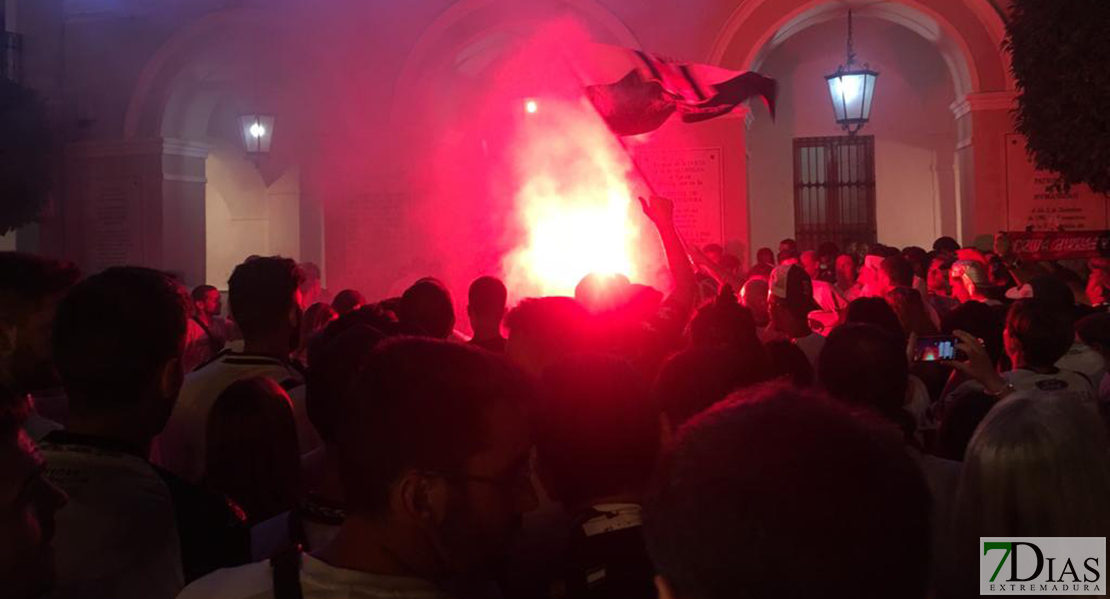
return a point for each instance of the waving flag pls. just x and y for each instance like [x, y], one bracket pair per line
[656, 88]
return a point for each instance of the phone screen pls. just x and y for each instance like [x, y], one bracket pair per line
[935, 349]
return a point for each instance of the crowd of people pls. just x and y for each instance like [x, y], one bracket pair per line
[768, 433]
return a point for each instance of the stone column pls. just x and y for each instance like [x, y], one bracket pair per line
[982, 122]
[137, 202]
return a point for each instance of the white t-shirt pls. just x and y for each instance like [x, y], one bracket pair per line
[181, 445]
[319, 580]
[117, 535]
[1062, 383]
[1081, 358]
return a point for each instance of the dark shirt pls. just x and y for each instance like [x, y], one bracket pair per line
[605, 564]
[494, 344]
[211, 535]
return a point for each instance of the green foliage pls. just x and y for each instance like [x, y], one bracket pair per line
[25, 156]
[1061, 61]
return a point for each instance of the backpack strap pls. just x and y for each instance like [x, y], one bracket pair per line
[287, 574]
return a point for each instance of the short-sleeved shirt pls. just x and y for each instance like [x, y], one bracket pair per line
[319, 580]
[117, 536]
[1059, 383]
[180, 448]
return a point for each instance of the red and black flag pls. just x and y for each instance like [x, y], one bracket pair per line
[656, 88]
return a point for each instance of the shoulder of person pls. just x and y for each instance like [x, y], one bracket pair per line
[252, 581]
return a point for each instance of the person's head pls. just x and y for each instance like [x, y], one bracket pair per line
[969, 279]
[206, 300]
[1037, 333]
[310, 285]
[714, 252]
[918, 259]
[1036, 465]
[937, 280]
[788, 257]
[1046, 288]
[347, 300]
[864, 365]
[789, 363]
[895, 272]
[998, 273]
[434, 449]
[1098, 287]
[980, 320]
[753, 296]
[597, 433]
[869, 279]
[543, 329]
[28, 502]
[251, 455]
[846, 270]
[118, 340]
[788, 245]
[315, 319]
[765, 256]
[427, 307]
[725, 323]
[696, 378]
[334, 359]
[875, 311]
[266, 301]
[1094, 330]
[782, 493]
[790, 299]
[30, 289]
[911, 311]
[946, 247]
[486, 300]
[809, 262]
[730, 263]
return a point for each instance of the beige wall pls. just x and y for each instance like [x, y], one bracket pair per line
[914, 131]
[244, 215]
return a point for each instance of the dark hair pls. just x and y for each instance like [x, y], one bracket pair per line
[113, 333]
[898, 270]
[200, 291]
[1045, 332]
[790, 362]
[597, 433]
[559, 324]
[335, 356]
[911, 311]
[694, 379]
[788, 255]
[487, 295]
[261, 291]
[426, 306]
[958, 423]
[1094, 330]
[27, 279]
[876, 311]
[981, 320]
[419, 404]
[864, 365]
[765, 255]
[251, 451]
[780, 493]
[789, 242]
[946, 244]
[347, 300]
[730, 263]
[724, 322]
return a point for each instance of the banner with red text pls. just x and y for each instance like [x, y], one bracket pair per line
[1059, 245]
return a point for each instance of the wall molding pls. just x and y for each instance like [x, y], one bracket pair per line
[1004, 100]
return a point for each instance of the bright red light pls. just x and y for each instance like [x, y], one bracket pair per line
[573, 202]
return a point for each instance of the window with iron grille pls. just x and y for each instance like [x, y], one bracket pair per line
[834, 190]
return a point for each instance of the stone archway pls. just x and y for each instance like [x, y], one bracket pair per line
[966, 33]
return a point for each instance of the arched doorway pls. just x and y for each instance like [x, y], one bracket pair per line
[941, 104]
